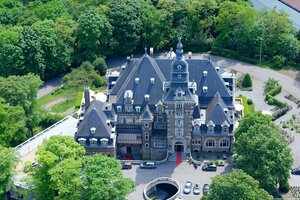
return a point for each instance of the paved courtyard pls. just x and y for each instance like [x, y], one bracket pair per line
[181, 173]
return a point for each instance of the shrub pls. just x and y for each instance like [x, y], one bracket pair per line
[279, 61]
[247, 81]
[99, 81]
[284, 187]
[270, 85]
[48, 119]
[100, 65]
[249, 101]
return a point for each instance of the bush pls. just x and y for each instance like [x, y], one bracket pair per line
[284, 187]
[100, 65]
[279, 61]
[249, 101]
[247, 81]
[270, 85]
[49, 119]
[99, 81]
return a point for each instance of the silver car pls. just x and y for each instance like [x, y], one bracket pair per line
[196, 189]
[187, 187]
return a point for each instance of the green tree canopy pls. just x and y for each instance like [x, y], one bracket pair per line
[11, 135]
[85, 76]
[236, 185]
[7, 167]
[103, 179]
[274, 162]
[59, 160]
[100, 65]
[251, 120]
[94, 36]
[125, 17]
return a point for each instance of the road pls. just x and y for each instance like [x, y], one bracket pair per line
[270, 4]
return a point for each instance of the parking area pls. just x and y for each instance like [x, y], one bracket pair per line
[181, 173]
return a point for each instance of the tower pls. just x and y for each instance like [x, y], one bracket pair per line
[179, 100]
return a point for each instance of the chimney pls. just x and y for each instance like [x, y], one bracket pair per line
[87, 97]
[151, 51]
[190, 55]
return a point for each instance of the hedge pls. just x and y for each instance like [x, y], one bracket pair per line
[272, 101]
[232, 54]
[79, 98]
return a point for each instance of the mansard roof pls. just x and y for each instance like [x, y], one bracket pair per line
[94, 117]
[144, 68]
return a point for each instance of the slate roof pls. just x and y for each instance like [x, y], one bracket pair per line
[147, 115]
[144, 68]
[94, 117]
[215, 111]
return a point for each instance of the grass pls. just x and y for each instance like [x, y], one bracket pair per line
[64, 106]
[57, 93]
[248, 109]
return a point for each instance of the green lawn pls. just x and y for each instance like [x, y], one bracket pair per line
[57, 93]
[247, 108]
[64, 105]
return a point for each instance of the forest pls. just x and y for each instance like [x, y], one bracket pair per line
[40, 39]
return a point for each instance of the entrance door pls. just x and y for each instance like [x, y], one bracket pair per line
[178, 147]
[128, 150]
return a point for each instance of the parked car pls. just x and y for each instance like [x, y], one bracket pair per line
[126, 165]
[187, 187]
[296, 171]
[212, 168]
[205, 188]
[196, 189]
[147, 165]
[35, 164]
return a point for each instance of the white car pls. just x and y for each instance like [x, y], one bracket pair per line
[187, 187]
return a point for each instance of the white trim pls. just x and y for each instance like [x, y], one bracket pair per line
[81, 139]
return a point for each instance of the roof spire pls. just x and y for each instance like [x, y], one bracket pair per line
[179, 50]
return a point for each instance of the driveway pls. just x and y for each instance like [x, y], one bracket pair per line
[181, 173]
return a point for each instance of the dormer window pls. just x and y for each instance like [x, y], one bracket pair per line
[225, 110]
[152, 80]
[204, 89]
[119, 108]
[147, 97]
[138, 108]
[210, 127]
[137, 80]
[104, 142]
[217, 68]
[93, 130]
[205, 73]
[93, 142]
[179, 67]
[82, 141]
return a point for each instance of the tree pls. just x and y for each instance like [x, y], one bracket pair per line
[274, 162]
[66, 177]
[103, 179]
[125, 17]
[100, 65]
[85, 76]
[55, 154]
[251, 120]
[7, 166]
[94, 36]
[236, 185]
[247, 81]
[11, 60]
[52, 10]
[11, 135]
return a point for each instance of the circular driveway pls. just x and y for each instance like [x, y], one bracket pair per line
[181, 173]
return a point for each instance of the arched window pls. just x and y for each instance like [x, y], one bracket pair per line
[224, 143]
[210, 143]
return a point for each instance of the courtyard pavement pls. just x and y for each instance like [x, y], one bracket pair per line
[181, 173]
